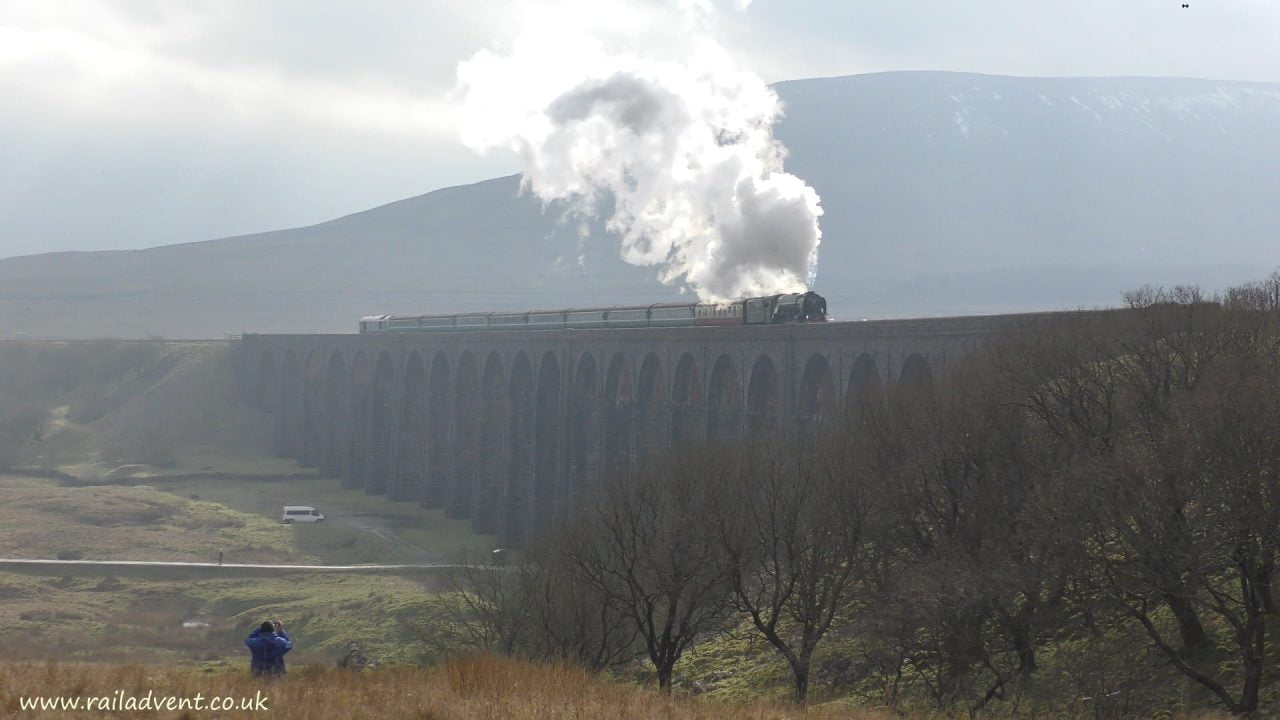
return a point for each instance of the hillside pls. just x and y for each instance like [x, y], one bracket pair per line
[944, 193]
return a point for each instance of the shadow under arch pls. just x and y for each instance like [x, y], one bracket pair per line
[651, 408]
[762, 396]
[313, 409]
[618, 397]
[288, 435]
[358, 423]
[382, 426]
[493, 461]
[864, 391]
[466, 439]
[584, 427]
[411, 435]
[266, 385]
[687, 413]
[724, 403]
[546, 440]
[438, 447]
[519, 477]
[817, 392]
[334, 424]
[916, 375]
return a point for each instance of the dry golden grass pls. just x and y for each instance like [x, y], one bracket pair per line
[468, 688]
[472, 688]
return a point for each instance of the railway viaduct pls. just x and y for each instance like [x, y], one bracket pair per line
[502, 427]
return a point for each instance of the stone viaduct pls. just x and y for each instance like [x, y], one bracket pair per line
[501, 427]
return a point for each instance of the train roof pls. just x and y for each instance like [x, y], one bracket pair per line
[555, 311]
[651, 306]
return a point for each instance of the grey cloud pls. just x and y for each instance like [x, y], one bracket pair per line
[625, 99]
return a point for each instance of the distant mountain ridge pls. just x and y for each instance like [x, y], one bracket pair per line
[944, 193]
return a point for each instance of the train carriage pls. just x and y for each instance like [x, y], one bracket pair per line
[805, 307]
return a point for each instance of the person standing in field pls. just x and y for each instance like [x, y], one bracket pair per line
[277, 657]
[266, 650]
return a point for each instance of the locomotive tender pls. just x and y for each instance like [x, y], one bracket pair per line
[773, 309]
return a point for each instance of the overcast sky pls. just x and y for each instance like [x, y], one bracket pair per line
[149, 122]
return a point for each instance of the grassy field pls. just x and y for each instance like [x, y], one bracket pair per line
[41, 518]
[164, 621]
[104, 613]
[465, 688]
[426, 534]
[190, 519]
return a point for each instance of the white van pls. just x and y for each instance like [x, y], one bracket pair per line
[300, 513]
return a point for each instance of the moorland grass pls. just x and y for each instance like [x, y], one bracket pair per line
[39, 518]
[475, 687]
[128, 619]
[478, 687]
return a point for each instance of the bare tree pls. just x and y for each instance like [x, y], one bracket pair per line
[531, 608]
[1164, 416]
[1206, 484]
[1098, 380]
[791, 527]
[484, 608]
[641, 542]
[574, 620]
[975, 552]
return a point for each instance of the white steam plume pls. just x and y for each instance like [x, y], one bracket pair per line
[684, 147]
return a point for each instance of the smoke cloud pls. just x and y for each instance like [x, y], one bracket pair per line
[675, 139]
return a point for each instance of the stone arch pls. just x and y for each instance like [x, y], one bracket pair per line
[288, 437]
[358, 420]
[493, 464]
[762, 396]
[584, 426]
[337, 404]
[409, 477]
[817, 391]
[864, 389]
[686, 402]
[466, 438]
[382, 427]
[619, 399]
[724, 402]
[437, 440]
[266, 385]
[546, 440]
[313, 409]
[916, 375]
[519, 476]
[651, 408]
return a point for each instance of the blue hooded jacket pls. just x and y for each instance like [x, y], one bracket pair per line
[266, 652]
[275, 654]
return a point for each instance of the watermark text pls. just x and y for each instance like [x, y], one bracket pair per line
[120, 701]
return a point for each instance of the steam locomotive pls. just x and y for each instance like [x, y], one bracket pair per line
[806, 307]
